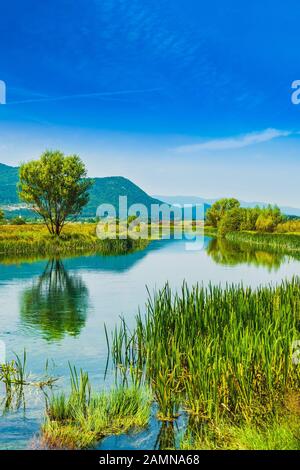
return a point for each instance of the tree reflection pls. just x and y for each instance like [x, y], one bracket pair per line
[228, 253]
[56, 303]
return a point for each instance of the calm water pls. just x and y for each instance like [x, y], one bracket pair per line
[56, 310]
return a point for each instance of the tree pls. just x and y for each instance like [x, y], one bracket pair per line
[55, 187]
[1, 216]
[250, 216]
[269, 218]
[231, 221]
[218, 210]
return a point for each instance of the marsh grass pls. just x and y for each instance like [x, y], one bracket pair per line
[214, 352]
[280, 242]
[77, 238]
[83, 418]
[281, 432]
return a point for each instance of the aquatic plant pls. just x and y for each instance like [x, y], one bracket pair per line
[15, 378]
[215, 352]
[83, 418]
[288, 243]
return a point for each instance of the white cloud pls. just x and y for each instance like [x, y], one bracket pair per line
[234, 142]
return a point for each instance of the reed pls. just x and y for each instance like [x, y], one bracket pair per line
[83, 418]
[279, 242]
[215, 352]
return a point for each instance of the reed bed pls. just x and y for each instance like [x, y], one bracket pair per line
[288, 243]
[215, 353]
[83, 418]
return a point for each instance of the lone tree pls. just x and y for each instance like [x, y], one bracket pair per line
[55, 187]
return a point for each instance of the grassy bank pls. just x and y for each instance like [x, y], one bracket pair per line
[77, 238]
[281, 242]
[223, 357]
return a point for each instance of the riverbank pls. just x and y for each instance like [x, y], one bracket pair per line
[77, 238]
[288, 243]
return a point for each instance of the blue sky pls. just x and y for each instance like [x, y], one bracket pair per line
[183, 97]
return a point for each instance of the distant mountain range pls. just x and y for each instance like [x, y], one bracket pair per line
[107, 191]
[195, 200]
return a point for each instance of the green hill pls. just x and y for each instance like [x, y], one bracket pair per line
[8, 182]
[105, 190]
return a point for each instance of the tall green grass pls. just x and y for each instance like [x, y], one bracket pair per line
[83, 418]
[215, 352]
[280, 242]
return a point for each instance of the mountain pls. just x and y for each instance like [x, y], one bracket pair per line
[104, 191]
[108, 189]
[8, 181]
[195, 200]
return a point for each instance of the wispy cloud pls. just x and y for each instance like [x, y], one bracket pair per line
[231, 143]
[84, 95]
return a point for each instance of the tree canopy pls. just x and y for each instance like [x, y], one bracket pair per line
[218, 210]
[55, 187]
[228, 216]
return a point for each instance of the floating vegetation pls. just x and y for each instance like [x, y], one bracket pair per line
[83, 418]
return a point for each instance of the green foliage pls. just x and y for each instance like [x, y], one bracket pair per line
[231, 221]
[55, 188]
[289, 226]
[249, 218]
[218, 210]
[227, 216]
[1, 216]
[18, 221]
[268, 219]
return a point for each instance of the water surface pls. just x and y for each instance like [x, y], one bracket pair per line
[56, 310]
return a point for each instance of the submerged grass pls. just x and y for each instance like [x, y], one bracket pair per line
[15, 378]
[83, 418]
[215, 353]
